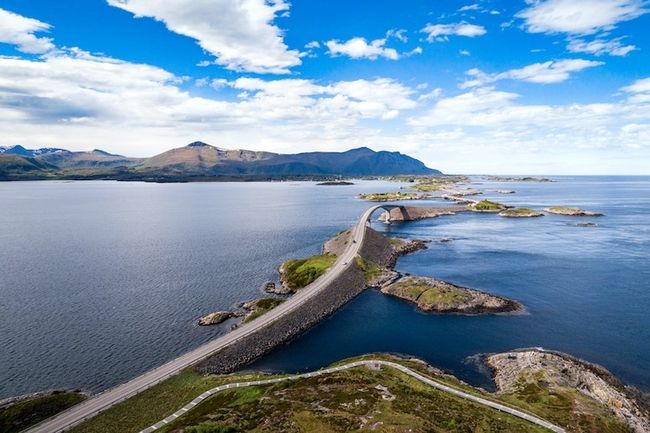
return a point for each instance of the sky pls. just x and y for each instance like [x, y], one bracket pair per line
[504, 87]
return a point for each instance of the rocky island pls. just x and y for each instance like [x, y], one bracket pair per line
[574, 393]
[215, 318]
[571, 211]
[488, 206]
[433, 295]
[392, 196]
[520, 212]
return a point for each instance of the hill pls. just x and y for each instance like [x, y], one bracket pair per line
[199, 161]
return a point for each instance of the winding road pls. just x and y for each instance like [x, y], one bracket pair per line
[369, 363]
[100, 402]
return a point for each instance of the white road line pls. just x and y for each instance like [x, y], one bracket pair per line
[431, 382]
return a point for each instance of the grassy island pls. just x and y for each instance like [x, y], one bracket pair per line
[488, 206]
[442, 297]
[571, 211]
[298, 273]
[392, 196]
[520, 212]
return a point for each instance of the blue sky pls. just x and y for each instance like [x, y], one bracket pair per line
[535, 86]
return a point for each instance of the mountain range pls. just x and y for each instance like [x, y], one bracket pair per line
[201, 161]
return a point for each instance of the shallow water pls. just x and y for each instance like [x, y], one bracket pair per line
[101, 281]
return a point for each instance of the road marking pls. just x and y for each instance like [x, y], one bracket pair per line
[431, 382]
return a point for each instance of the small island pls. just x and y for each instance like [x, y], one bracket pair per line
[571, 211]
[335, 183]
[433, 295]
[519, 179]
[520, 212]
[215, 318]
[488, 206]
[392, 196]
[257, 307]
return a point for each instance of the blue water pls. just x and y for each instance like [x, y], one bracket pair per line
[101, 281]
[586, 290]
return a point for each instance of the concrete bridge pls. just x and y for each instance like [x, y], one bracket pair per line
[247, 332]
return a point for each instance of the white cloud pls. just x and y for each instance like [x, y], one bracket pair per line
[359, 48]
[579, 17]
[491, 131]
[464, 53]
[440, 32]
[399, 34]
[541, 73]
[239, 33]
[73, 99]
[18, 30]
[471, 7]
[599, 47]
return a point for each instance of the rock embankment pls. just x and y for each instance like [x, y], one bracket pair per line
[414, 213]
[376, 249]
[571, 211]
[433, 295]
[515, 372]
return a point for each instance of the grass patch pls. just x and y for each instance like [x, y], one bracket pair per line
[371, 270]
[488, 206]
[298, 273]
[262, 306]
[20, 415]
[520, 212]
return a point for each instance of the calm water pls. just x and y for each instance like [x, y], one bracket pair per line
[101, 281]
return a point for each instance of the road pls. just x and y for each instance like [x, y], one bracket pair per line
[91, 407]
[370, 363]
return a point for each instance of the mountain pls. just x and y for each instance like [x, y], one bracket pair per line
[20, 150]
[201, 158]
[201, 161]
[15, 166]
[92, 159]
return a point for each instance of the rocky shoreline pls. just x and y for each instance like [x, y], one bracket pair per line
[431, 295]
[557, 372]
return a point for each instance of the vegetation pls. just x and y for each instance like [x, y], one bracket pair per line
[298, 273]
[261, 306]
[571, 211]
[384, 400]
[488, 206]
[520, 212]
[427, 294]
[564, 406]
[371, 270]
[392, 196]
[15, 417]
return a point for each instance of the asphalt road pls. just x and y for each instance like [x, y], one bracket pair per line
[370, 363]
[106, 399]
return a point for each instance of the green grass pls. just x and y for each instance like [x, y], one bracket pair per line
[299, 273]
[156, 403]
[520, 212]
[18, 416]
[371, 270]
[426, 294]
[488, 206]
[263, 306]
[346, 401]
